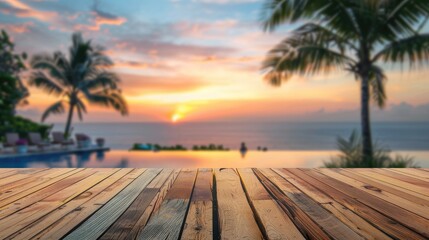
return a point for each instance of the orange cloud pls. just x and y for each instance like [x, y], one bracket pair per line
[99, 21]
[23, 10]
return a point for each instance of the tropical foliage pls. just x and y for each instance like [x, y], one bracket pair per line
[10, 94]
[22, 126]
[350, 156]
[81, 77]
[348, 35]
[11, 65]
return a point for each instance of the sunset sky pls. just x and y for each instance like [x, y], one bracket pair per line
[197, 60]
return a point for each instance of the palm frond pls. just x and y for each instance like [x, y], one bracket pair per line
[108, 99]
[99, 57]
[56, 108]
[81, 109]
[101, 79]
[46, 62]
[377, 81]
[339, 14]
[304, 56]
[400, 16]
[414, 50]
[42, 81]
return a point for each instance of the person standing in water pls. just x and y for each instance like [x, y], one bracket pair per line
[243, 149]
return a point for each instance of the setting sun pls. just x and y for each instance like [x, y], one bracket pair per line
[176, 117]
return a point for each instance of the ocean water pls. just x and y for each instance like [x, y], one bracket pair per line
[275, 136]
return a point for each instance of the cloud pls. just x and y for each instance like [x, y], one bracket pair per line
[18, 27]
[100, 18]
[137, 85]
[20, 9]
[168, 49]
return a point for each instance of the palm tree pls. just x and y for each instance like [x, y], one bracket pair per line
[356, 36]
[80, 78]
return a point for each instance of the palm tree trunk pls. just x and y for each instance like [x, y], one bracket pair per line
[367, 151]
[69, 119]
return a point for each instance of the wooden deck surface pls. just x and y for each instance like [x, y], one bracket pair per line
[214, 204]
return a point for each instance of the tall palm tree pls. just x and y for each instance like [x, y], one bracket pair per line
[81, 78]
[356, 36]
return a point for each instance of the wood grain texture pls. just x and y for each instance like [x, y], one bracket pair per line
[236, 220]
[71, 219]
[19, 175]
[418, 190]
[15, 203]
[328, 222]
[415, 208]
[100, 221]
[155, 204]
[275, 223]
[167, 222]
[53, 217]
[346, 215]
[214, 204]
[28, 215]
[419, 199]
[199, 221]
[411, 172]
[121, 228]
[388, 225]
[32, 184]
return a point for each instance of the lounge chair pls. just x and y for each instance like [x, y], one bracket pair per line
[83, 140]
[35, 139]
[58, 138]
[11, 139]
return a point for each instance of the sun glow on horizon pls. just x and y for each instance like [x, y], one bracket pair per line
[176, 117]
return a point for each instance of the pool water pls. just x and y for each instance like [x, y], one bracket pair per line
[188, 159]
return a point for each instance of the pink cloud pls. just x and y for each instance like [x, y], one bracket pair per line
[23, 10]
[98, 22]
[17, 28]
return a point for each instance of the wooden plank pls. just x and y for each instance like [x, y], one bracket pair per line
[20, 201]
[126, 222]
[418, 209]
[6, 172]
[346, 215]
[411, 172]
[308, 228]
[73, 218]
[39, 225]
[100, 221]
[327, 221]
[273, 221]
[412, 180]
[419, 191]
[31, 182]
[168, 221]
[386, 187]
[16, 194]
[19, 175]
[385, 222]
[199, 221]
[156, 203]
[236, 219]
[25, 217]
[409, 219]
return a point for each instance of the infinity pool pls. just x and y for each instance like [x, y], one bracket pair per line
[125, 159]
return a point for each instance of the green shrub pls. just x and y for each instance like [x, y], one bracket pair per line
[350, 156]
[22, 126]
